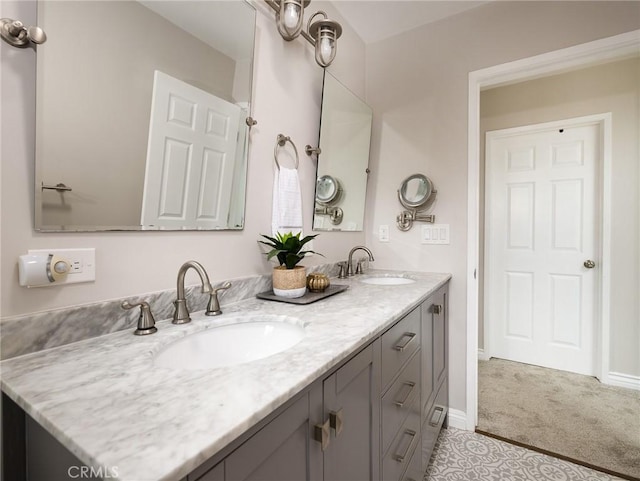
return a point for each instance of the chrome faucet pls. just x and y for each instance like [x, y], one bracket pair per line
[350, 261]
[181, 314]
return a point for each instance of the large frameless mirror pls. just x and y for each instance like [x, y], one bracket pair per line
[341, 180]
[142, 110]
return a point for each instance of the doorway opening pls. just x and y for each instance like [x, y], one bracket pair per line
[592, 53]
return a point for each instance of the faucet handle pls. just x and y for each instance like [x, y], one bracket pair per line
[213, 308]
[342, 273]
[146, 321]
[359, 269]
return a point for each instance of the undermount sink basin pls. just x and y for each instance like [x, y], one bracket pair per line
[230, 344]
[387, 280]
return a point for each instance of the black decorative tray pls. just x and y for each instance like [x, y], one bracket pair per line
[308, 298]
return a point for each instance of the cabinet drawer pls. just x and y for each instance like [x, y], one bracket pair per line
[398, 344]
[433, 423]
[414, 471]
[397, 458]
[400, 399]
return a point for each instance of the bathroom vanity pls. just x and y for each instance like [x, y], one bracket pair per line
[362, 396]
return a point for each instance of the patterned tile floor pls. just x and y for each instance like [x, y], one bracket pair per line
[466, 456]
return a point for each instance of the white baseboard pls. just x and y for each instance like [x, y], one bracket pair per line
[457, 419]
[623, 380]
[482, 356]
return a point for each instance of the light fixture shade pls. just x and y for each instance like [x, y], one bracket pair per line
[290, 17]
[325, 33]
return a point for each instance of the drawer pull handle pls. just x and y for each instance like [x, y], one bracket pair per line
[402, 347]
[436, 308]
[411, 385]
[435, 417]
[401, 457]
[321, 434]
[335, 421]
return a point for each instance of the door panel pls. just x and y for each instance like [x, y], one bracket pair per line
[193, 137]
[541, 225]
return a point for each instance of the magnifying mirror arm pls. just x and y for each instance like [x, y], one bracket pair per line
[335, 213]
[406, 218]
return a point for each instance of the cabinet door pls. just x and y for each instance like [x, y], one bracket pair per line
[440, 348]
[352, 404]
[427, 354]
[284, 450]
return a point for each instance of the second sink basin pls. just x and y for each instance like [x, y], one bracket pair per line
[387, 280]
[230, 344]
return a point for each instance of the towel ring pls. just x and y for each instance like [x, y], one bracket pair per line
[281, 140]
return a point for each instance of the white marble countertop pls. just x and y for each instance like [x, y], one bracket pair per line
[104, 399]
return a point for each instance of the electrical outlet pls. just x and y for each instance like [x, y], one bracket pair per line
[82, 262]
[383, 233]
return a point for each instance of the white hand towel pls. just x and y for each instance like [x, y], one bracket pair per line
[287, 202]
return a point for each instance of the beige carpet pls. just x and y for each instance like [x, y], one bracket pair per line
[568, 414]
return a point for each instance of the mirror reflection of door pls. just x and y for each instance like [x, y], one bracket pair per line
[190, 158]
[93, 100]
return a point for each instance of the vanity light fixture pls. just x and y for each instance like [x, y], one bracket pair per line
[325, 34]
[289, 16]
[322, 34]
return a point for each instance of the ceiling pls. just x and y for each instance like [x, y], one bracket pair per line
[375, 20]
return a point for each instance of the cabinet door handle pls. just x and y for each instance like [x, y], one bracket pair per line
[401, 457]
[321, 434]
[411, 385]
[435, 417]
[402, 347]
[436, 308]
[335, 421]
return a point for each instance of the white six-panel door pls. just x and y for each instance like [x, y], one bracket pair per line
[190, 156]
[541, 223]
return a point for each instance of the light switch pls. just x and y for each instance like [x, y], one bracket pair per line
[383, 233]
[435, 234]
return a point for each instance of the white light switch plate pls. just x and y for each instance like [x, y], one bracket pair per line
[82, 262]
[383, 233]
[435, 234]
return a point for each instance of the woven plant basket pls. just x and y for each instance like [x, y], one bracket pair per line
[290, 283]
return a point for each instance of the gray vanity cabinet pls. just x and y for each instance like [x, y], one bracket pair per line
[327, 433]
[435, 385]
[401, 381]
[351, 398]
[281, 451]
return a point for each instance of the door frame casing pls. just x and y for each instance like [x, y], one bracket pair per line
[602, 242]
[592, 53]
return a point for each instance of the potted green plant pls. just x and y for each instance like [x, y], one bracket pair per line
[289, 279]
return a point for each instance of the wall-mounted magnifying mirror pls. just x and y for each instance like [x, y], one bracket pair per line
[141, 114]
[416, 192]
[328, 190]
[341, 181]
[329, 193]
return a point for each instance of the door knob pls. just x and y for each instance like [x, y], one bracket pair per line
[589, 264]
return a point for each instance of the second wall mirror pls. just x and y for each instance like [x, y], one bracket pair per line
[341, 180]
[141, 120]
